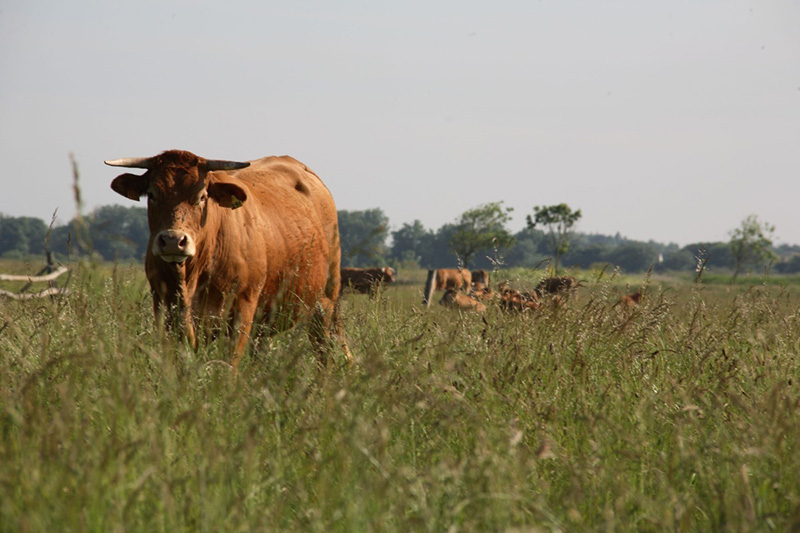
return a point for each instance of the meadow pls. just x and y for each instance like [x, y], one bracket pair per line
[680, 414]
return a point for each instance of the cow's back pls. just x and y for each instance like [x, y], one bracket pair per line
[290, 221]
[453, 278]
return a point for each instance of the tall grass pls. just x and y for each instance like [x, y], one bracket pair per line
[680, 414]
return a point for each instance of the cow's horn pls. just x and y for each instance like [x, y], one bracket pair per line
[131, 162]
[216, 164]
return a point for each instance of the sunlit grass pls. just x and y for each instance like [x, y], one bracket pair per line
[680, 414]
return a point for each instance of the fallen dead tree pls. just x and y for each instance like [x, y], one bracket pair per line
[48, 275]
[50, 291]
[33, 279]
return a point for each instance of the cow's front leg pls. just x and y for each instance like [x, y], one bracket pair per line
[243, 315]
[165, 305]
[183, 296]
[188, 323]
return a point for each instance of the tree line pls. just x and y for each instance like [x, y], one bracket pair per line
[478, 238]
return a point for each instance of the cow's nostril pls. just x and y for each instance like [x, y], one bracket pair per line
[182, 243]
[161, 241]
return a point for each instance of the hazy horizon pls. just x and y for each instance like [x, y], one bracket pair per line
[669, 122]
[58, 220]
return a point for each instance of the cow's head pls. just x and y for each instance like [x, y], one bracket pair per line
[181, 188]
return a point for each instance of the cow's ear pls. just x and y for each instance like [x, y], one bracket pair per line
[130, 186]
[227, 194]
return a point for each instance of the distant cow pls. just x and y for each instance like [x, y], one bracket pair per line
[460, 300]
[228, 239]
[514, 300]
[630, 300]
[481, 291]
[453, 278]
[557, 286]
[366, 280]
[443, 279]
[480, 276]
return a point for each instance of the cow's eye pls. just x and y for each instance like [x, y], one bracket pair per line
[202, 199]
[151, 197]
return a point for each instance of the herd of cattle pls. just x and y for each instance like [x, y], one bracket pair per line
[230, 241]
[471, 290]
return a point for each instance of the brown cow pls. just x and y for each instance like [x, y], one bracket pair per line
[460, 300]
[228, 239]
[366, 280]
[480, 291]
[514, 300]
[453, 278]
[480, 276]
[443, 279]
[630, 300]
[557, 286]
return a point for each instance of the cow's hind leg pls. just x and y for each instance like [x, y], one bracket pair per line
[325, 323]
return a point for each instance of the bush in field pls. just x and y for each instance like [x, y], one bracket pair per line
[751, 245]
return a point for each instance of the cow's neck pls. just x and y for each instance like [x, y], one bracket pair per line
[207, 249]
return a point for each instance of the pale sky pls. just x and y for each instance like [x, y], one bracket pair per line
[669, 120]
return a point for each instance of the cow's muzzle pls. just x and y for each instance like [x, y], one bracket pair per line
[173, 246]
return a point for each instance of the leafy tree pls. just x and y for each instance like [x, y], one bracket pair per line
[63, 239]
[586, 255]
[718, 254]
[632, 256]
[481, 228]
[119, 232]
[790, 265]
[750, 244]
[526, 250]
[558, 219]
[787, 250]
[679, 260]
[412, 242]
[21, 236]
[439, 254]
[114, 232]
[363, 236]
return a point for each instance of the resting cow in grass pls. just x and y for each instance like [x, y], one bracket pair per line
[514, 300]
[630, 300]
[460, 300]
